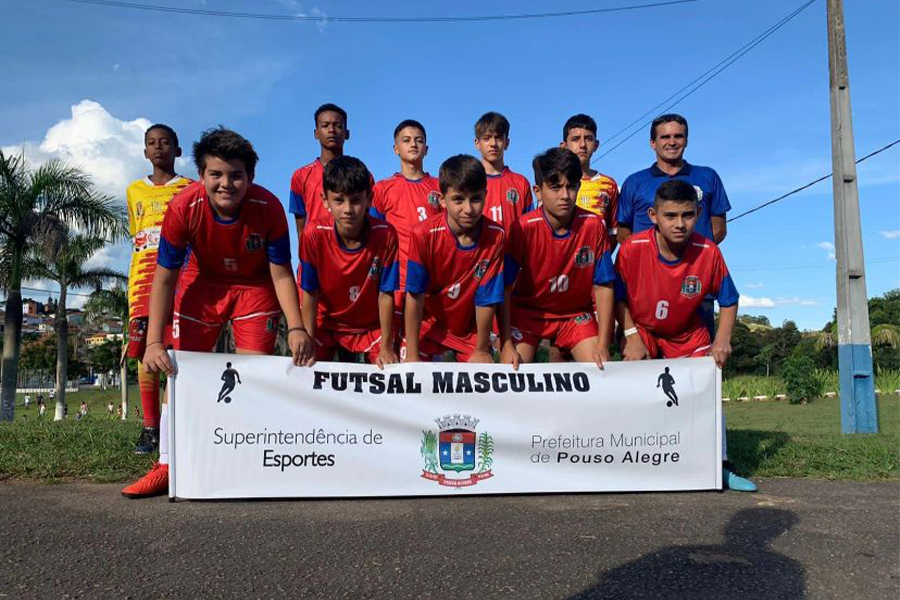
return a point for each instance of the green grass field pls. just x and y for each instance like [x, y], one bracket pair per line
[765, 439]
[779, 439]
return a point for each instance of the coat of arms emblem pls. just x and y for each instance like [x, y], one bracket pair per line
[584, 257]
[481, 268]
[691, 286]
[254, 242]
[456, 449]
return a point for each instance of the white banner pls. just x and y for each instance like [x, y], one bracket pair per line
[258, 427]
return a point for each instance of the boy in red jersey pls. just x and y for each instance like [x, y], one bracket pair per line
[558, 268]
[350, 270]
[410, 196]
[599, 193]
[454, 278]
[147, 201]
[663, 274]
[306, 183]
[231, 238]
[508, 193]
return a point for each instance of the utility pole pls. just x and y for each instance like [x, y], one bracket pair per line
[859, 413]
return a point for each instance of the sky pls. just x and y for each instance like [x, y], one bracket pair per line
[82, 82]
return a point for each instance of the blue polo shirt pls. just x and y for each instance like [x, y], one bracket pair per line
[639, 190]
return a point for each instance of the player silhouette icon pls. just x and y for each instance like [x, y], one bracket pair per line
[668, 386]
[229, 377]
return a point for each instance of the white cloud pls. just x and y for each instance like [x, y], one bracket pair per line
[752, 302]
[109, 149]
[766, 302]
[111, 256]
[828, 247]
[891, 235]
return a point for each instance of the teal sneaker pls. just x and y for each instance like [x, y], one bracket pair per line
[735, 482]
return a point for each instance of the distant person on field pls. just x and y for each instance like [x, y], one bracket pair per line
[663, 274]
[110, 408]
[147, 199]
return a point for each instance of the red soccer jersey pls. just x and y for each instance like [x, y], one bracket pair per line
[403, 203]
[508, 198]
[664, 298]
[554, 274]
[455, 279]
[236, 251]
[348, 281]
[306, 192]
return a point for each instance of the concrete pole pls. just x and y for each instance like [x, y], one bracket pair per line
[859, 413]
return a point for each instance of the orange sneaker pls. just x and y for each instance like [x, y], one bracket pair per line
[154, 483]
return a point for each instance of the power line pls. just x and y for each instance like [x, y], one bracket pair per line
[31, 289]
[830, 265]
[323, 18]
[708, 75]
[810, 184]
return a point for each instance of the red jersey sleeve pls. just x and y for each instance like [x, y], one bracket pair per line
[174, 237]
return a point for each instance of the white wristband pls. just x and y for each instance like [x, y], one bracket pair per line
[631, 331]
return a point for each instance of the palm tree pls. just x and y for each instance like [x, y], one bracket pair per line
[100, 305]
[67, 267]
[36, 209]
[884, 335]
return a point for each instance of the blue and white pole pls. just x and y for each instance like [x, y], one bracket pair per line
[859, 412]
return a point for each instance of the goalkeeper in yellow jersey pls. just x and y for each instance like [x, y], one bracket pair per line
[598, 193]
[147, 201]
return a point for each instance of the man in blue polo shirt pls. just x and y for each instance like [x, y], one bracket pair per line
[668, 138]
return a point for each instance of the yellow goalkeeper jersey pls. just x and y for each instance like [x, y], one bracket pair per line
[147, 205]
[600, 195]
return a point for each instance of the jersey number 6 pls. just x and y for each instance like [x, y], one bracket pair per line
[662, 309]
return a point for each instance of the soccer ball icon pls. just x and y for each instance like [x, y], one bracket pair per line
[668, 402]
[227, 400]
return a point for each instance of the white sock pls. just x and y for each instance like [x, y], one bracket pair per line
[164, 434]
[724, 441]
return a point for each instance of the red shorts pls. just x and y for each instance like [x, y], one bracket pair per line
[202, 308]
[367, 342]
[689, 345]
[565, 333]
[137, 337]
[433, 342]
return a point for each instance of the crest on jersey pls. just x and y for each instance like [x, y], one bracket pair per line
[481, 268]
[584, 257]
[699, 193]
[434, 199]
[583, 318]
[691, 286]
[254, 242]
[375, 269]
[512, 196]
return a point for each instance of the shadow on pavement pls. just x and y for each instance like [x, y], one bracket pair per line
[744, 567]
[748, 448]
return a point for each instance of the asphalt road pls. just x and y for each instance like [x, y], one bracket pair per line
[795, 539]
